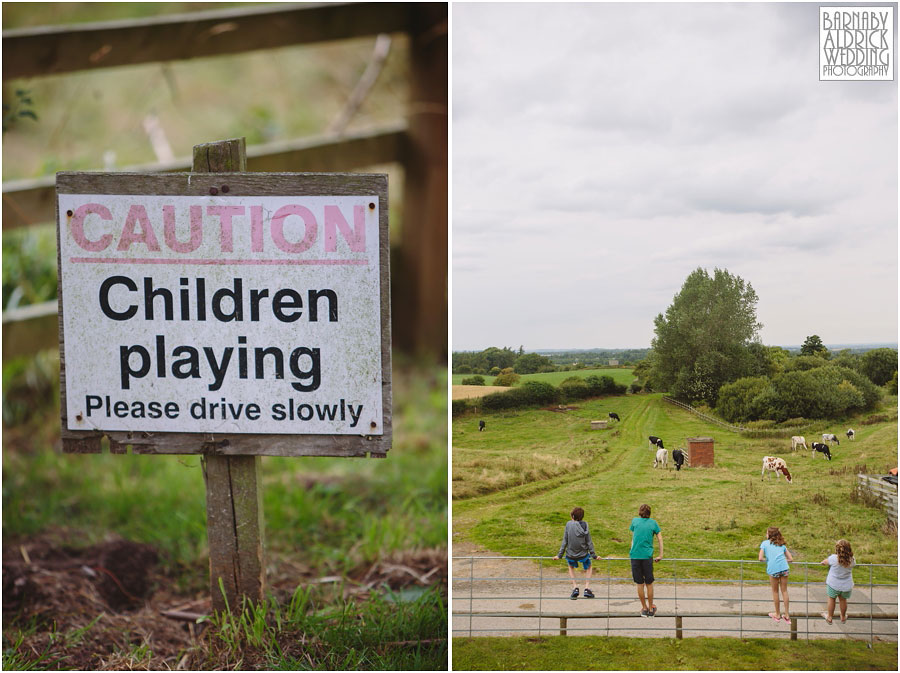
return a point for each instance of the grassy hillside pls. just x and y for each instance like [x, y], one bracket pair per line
[623, 376]
[515, 483]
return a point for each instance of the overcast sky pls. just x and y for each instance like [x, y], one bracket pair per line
[601, 152]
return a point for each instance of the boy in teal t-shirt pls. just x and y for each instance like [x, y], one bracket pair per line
[643, 528]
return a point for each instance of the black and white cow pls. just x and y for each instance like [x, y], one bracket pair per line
[613, 416]
[821, 448]
[831, 438]
[850, 434]
[480, 426]
[680, 457]
[656, 441]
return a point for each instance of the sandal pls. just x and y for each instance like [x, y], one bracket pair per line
[825, 617]
[777, 618]
[786, 618]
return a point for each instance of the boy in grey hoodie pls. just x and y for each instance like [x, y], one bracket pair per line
[578, 548]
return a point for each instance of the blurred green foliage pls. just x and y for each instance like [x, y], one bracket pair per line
[29, 266]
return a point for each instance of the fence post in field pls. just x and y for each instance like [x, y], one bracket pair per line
[234, 514]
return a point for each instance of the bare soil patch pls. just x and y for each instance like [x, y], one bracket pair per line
[103, 607]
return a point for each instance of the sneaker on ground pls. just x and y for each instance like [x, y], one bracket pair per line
[588, 593]
[653, 611]
[574, 593]
[645, 613]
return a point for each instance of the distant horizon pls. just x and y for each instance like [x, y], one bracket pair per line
[836, 346]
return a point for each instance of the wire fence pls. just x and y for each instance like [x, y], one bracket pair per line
[482, 605]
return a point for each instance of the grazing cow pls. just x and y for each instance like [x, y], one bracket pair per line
[480, 426]
[831, 438]
[613, 416]
[796, 441]
[776, 465]
[821, 448]
[656, 441]
[662, 458]
[850, 434]
[680, 457]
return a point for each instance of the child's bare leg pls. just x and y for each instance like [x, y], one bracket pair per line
[773, 582]
[650, 596]
[843, 602]
[784, 596]
[587, 577]
[830, 608]
[640, 590]
[572, 575]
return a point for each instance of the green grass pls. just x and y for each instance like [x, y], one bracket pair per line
[388, 632]
[619, 375]
[593, 653]
[515, 483]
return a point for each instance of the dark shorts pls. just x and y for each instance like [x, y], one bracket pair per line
[585, 562]
[642, 570]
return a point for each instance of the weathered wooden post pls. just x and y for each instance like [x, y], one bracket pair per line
[421, 311]
[678, 632]
[228, 314]
[235, 525]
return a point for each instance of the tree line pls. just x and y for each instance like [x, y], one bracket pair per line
[491, 361]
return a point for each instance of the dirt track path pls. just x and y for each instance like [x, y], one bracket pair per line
[489, 583]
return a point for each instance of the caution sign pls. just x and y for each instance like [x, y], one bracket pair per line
[227, 313]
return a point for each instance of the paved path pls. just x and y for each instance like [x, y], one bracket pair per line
[514, 586]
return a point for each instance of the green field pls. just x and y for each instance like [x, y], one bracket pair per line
[515, 484]
[597, 653]
[619, 375]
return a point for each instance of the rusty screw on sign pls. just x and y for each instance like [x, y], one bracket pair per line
[69, 213]
[213, 191]
[225, 189]
[371, 206]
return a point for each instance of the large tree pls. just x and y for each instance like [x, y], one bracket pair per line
[703, 340]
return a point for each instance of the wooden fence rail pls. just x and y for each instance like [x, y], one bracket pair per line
[705, 417]
[30, 202]
[52, 50]
[885, 493]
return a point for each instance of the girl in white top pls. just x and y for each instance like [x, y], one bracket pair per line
[839, 582]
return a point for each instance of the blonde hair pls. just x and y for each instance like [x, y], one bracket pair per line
[775, 536]
[844, 553]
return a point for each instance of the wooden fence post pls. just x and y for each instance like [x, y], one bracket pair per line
[420, 299]
[234, 514]
[563, 623]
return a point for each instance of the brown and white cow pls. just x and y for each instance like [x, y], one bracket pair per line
[776, 465]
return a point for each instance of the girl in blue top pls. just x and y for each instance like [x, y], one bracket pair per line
[774, 551]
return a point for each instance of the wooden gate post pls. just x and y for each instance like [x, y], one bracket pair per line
[234, 514]
[420, 300]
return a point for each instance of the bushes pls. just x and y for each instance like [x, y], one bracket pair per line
[507, 378]
[574, 388]
[824, 391]
[473, 381]
[459, 407]
[529, 394]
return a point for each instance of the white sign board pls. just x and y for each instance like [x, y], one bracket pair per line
[222, 314]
